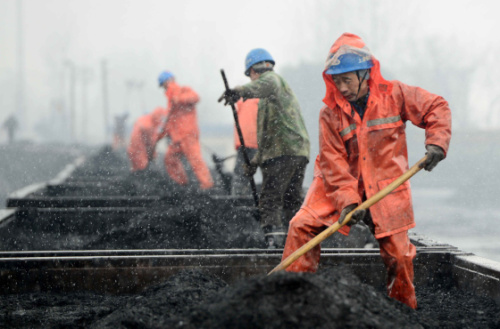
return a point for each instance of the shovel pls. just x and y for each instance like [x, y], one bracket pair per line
[242, 142]
[365, 205]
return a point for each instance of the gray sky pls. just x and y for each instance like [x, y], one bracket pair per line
[194, 39]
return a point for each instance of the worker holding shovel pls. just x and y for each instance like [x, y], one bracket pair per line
[181, 127]
[283, 144]
[363, 150]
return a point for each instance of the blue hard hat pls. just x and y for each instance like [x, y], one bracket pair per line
[256, 56]
[164, 76]
[350, 62]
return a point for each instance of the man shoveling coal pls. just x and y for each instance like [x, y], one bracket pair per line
[362, 151]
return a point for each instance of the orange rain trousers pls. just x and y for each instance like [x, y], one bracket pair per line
[396, 250]
[190, 149]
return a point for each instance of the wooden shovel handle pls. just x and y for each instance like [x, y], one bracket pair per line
[365, 205]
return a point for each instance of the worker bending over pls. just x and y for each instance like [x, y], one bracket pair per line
[141, 149]
[283, 144]
[362, 150]
[181, 128]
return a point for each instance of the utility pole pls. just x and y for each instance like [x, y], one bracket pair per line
[72, 85]
[130, 86]
[105, 105]
[86, 75]
[140, 88]
[20, 62]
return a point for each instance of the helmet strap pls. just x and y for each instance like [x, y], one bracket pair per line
[361, 80]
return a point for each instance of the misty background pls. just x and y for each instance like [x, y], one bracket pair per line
[67, 67]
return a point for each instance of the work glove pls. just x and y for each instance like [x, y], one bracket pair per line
[358, 215]
[250, 170]
[434, 155]
[230, 96]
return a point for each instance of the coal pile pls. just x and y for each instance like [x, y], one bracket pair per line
[195, 222]
[165, 305]
[187, 218]
[333, 298]
[182, 217]
[104, 162]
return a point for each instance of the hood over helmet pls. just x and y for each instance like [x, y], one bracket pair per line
[351, 46]
[349, 59]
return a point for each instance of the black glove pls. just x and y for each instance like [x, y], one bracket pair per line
[434, 155]
[358, 215]
[250, 170]
[230, 96]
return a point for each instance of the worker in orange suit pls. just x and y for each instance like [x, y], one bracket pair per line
[247, 118]
[181, 128]
[141, 149]
[362, 150]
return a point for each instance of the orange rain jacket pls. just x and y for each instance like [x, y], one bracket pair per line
[247, 117]
[182, 121]
[182, 128]
[358, 157]
[143, 138]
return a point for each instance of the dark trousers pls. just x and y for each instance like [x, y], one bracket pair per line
[281, 193]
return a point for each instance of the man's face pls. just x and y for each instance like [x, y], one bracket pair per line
[253, 75]
[166, 83]
[348, 85]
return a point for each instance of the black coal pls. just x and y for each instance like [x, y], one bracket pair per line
[189, 218]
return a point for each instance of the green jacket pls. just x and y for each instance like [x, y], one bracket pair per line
[280, 126]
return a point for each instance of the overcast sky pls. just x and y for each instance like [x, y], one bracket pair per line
[195, 39]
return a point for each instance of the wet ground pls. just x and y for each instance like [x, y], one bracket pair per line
[333, 298]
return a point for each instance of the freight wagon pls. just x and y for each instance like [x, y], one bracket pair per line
[98, 228]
